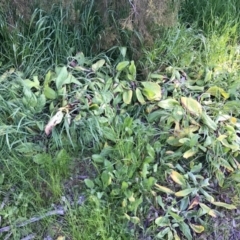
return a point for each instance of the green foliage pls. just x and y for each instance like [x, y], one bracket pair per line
[120, 155]
[47, 38]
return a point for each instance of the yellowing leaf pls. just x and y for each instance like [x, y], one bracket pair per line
[127, 96]
[151, 90]
[164, 189]
[233, 146]
[225, 205]
[98, 65]
[61, 238]
[178, 178]
[122, 65]
[49, 92]
[181, 133]
[197, 228]
[185, 192]
[192, 106]
[173, 141]
[56, 119]
[208, 210]
[132, 71]
[189, 153]
[139, 96]
[194, 203]
[207, 196]
[176, 237]
[132, 219]
[217, 92]
[233, 120]
[168, 103]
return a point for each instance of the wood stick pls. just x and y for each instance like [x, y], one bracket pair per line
[32, 220]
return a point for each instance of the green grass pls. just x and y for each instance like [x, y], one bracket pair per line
[132, 159]
[47, 39]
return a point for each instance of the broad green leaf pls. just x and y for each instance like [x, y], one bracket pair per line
[41, 100]
[124, 185]
[207, 196]
[225, 205]
[30, 97]
[127, 96]
[132, 70]
[151, 90]
[48, 78]
[62, 75]
[109, 134]
[42, 158]
[208, 75]
[98, 65]
[176, 216]
[28, 148]
[134, 220]
[168, 103]
[89, 183]
[233, 146]
[160, 202]
[144, 171]
[98, 158]
[80, 58]
[122, 65]
[196, 228]
[217, 92]
[178, 178]
[170, 235]
[185, 192]
[139, 96]
[208, 210]
[226, 164]
[106, 178]
[155, 116]
[190, 153]
[161, 234]
[49, 93]
[31, 84]
[185, 230]
[93, 107]
[184, 202]
[208, 121]
[123, 51]
[164, 189]
[162, 221]
[150, 151]
[173, 141]
[192, 106]
[194, 88]
[231, 106]
[156, 76]
[236, 176]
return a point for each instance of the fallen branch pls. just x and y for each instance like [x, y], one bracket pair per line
[32, 220]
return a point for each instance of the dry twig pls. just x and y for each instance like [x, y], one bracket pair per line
[32, 220]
